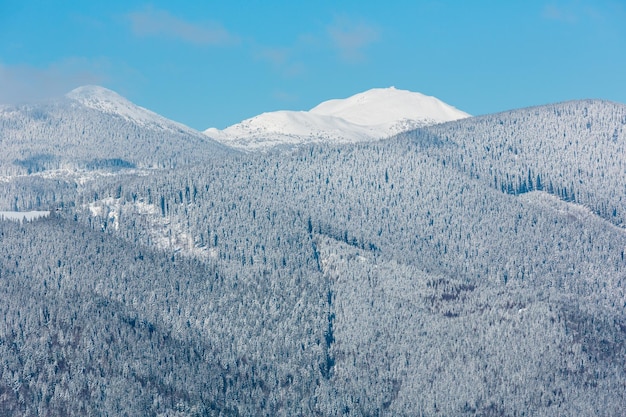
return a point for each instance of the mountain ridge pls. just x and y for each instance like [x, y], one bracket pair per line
[385, 105]
[108, 101]
[95, 127]
[374, 114]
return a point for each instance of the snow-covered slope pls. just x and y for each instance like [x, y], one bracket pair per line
[374, 114]
[94, 127]
[289, 128]
[380, 106]
[107, 101]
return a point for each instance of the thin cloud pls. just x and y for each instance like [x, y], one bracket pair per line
[559, 13]
[275, 56]
[160, 23]
[25, 83]
[282, 60]
[574, 12]
[351, 39]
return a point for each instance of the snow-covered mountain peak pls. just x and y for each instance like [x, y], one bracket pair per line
[105, 100]
[94, 91]
[108, 101]
[374, 114]
[389, 105]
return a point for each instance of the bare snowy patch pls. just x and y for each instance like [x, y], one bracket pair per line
[164, 232]
[23, 216]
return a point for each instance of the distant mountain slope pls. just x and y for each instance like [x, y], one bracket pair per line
[381, 106]
[575, 150]
[109, 102]
[94, 126]
[371, 115]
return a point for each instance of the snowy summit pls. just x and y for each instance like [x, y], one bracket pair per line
[374, 114]
[108, 101]
[380, 106]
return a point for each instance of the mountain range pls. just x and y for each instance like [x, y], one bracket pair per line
[93, 126]
[470, 268]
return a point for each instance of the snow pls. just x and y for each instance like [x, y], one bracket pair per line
[570, 210]
[380, 106]
[374, 114]
[107, 101]
[22, 216]
[290, 127]
[79, 176]
[165, 232]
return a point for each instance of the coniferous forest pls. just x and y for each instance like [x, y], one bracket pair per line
[472, 268]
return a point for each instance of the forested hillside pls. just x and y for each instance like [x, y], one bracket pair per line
[573, 150]
[474, 268]
[66, 134]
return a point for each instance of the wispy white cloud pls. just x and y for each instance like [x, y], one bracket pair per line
[347, 38]
[351, 38]
[559, 13]
[282, 60]
[275, 56]
[24, 83]
[577, 11]
[151, 22]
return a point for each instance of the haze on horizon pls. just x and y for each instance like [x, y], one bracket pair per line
[213, 65]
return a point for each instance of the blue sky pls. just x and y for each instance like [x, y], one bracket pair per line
[212, 64]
